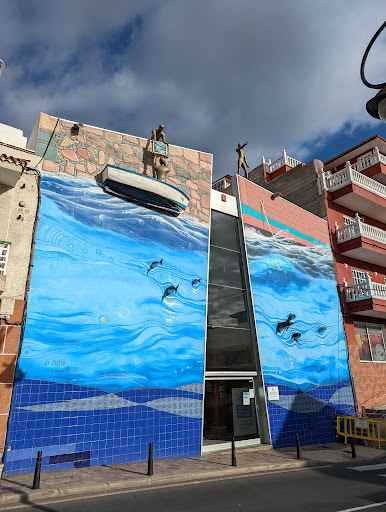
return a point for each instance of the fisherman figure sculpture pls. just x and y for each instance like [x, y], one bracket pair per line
[160, 166]
[158, 134]
[242, 161]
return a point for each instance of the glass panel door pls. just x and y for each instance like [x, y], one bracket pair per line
[229, 411]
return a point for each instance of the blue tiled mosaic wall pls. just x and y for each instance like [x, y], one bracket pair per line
[113, 350]
[81, 427]
[310, 415]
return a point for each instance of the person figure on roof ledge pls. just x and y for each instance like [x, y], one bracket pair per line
[158, 134]
[242, 161]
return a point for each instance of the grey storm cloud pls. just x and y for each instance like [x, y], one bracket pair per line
[215, 72]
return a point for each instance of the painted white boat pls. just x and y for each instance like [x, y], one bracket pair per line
[144, 189]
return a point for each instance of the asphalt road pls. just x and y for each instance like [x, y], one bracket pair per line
[335, 488]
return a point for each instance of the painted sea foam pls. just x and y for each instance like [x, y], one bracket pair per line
[96, 316]
[289, 278]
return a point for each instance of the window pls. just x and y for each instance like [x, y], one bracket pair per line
[229, 350]
[224, 267]
[371, 342]
[224, 231]
[4, 253]
[229, 338]
[227, 307]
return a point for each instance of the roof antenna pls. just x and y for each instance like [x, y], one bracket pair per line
[2, 66]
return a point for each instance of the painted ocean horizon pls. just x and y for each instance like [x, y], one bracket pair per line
[118, 293]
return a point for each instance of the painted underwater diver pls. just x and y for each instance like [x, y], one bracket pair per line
[281, 326]
[154, 264]
[171, 289]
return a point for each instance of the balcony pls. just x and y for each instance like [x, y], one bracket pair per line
[357, 192]
[369, 165]
[284, 160]
[4, 254]
[362, 242]
[367, 299]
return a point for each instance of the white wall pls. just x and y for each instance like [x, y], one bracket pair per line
[13, 136]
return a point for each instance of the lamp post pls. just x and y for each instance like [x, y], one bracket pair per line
[376, 107]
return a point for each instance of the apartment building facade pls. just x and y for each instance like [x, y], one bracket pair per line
[354, 187]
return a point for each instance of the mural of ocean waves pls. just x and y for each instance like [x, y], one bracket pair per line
[300, 260]
[111, 307]
[305, 403]
[181, 406]
[297, 312]
[87, 202]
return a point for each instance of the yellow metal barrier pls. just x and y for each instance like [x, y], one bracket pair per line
[361, 428]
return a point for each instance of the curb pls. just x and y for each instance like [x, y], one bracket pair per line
[41, 494]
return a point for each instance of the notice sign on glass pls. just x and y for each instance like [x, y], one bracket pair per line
[246, 398]
[273, 393]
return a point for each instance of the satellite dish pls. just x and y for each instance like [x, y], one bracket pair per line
[2, 66]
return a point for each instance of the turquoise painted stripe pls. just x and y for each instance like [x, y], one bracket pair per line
[257, 215]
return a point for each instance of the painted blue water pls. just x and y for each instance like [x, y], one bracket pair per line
[292, 279]
[96, 316]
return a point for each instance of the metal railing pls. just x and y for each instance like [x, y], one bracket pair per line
[349, 175]
[361, 428]
[358, 228]
[4, 254]
[366, 290]
[280, 162]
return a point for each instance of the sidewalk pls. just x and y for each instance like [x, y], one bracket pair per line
[17, 488]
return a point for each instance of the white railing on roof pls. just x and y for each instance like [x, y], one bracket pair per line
[280, 162]
[221, 184]
[367, 290]
[4, 253]
[368, 160]
[348, 175]
[359, 228]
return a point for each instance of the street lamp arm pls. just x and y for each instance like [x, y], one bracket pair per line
[368, 84]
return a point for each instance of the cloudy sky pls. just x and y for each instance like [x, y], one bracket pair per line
[276, 73]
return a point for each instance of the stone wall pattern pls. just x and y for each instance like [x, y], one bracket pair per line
[86, 155]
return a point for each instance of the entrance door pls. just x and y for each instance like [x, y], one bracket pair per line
[229, 411]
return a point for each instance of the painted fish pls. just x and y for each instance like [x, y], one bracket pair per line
[295, 336]
[169, 291]
[321, 329]
[196, 281]
[154, 264]
[284, 325]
